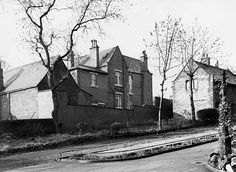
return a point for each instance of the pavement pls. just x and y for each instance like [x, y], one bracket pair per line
[69, 153]
[143, 149]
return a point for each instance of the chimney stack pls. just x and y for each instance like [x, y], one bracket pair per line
[1, 78]
[144, 58]
[94, 53]
[205, 59]
[217, 64]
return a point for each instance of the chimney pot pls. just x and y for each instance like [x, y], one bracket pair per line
[144, 59]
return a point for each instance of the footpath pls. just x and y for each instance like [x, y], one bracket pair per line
[144, 147]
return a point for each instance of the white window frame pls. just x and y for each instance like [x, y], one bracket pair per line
[118, 77]
[94, 81]
[118, 98]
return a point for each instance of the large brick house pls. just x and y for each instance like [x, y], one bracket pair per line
[114, 80]
[25, 93]
[205, 88]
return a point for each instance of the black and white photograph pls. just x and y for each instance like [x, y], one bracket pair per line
[117, 85]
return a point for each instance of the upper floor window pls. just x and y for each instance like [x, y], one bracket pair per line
[94, 80]
[118, 100]
[118, 77]
[130, 84]
[187, 84]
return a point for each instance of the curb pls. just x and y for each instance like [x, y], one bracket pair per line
[103, 156]
[76, 141]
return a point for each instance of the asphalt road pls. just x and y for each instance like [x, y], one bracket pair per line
[185, 160]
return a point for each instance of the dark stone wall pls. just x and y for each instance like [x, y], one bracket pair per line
[27, 127]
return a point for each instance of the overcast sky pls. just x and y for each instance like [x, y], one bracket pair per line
[217, 15]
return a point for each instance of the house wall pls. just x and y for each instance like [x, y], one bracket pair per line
[136, 97]
[45, 104]
[203, 93]
[117, 62]
[4, 107]
[100, 93]
[24, 104]
[147, 88]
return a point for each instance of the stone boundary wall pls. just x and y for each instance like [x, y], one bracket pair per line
[27, 127]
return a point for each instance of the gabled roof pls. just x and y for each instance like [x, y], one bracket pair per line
[133, 64]
[217, 72]
[24, 77]
[104, 56]
[86, 62]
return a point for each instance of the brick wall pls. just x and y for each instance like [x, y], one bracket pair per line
[99, 93]
[103, 117]
[147, 88]
[117, 62]
[136, 97]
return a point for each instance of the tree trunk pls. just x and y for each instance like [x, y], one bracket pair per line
[191, 100]
[160, 107]
[55, 101]
[225, 130]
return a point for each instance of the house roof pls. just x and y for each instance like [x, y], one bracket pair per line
[217, 72]
[133, 64]
[85, 62]
[24, 77]
[104, 56]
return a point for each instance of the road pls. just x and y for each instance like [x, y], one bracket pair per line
[185, 160]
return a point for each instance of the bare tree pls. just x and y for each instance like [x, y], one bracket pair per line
[46, 34]
[195, 43]
[165, 35]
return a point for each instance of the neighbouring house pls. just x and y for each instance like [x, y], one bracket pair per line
[113, 79]
[205, 88]
[25, 93]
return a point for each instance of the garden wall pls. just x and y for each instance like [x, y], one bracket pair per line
[102, 117]
[27, 127]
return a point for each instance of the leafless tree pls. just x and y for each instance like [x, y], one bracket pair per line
[195, 43]
[166, 34]
[46, 34]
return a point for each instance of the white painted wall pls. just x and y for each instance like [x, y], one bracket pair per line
[45, 104]
[23, 104]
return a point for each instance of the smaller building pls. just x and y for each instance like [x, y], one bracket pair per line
[205, 88]
[25, 93]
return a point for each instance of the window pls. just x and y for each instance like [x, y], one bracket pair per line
[187, 84]
[94, 80]
[118, 100]
[118, 78]
[130, 84]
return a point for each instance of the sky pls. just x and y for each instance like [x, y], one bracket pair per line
[216, 15]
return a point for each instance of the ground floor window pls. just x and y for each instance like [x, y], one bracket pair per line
[118, 100]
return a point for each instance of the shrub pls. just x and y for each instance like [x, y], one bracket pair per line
[31, 129]
[115, 127]
[208, 116]
[82, 127]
